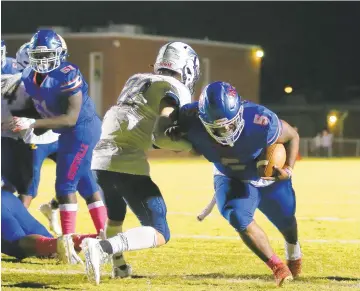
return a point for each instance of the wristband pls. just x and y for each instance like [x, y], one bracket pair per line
[262, 163]
[288, 170]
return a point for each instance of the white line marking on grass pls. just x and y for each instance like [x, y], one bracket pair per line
[331, 219]
[75, 272]
[327, 219]
[42, 271]
[211, 237]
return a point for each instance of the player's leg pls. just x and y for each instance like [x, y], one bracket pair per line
[112, 189]
[90, 191]
[17, 224]
[237, 203]
[73, 165]
[50, 210]
[279, 204]
[39, 153]
[65, 186]
[16, 163]
[146, 201]
[87, 137]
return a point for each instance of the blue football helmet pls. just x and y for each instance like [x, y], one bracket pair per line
[22, 56]
[3, 53]
[46, 52]
[221, 112]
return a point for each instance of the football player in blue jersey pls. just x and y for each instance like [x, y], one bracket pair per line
[47, 147]
[8, 65]
[234, 135]
[23, 236]
[60, 95]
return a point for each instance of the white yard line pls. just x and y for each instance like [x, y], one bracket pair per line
[51, 272]
[326, 218]
[76, 272]
[212, 237]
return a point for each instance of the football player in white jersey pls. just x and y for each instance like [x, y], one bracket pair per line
[143, 111]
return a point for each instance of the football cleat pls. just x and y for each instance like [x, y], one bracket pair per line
[66, 251]
[52, 216]
[94, 258]
[121, 272]
[282, 274]
[295, 267]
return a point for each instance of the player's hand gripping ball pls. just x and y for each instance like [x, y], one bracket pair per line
[273, 166]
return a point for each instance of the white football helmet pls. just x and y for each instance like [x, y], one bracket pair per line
[22, 56]
[180, 58]
[3, 53]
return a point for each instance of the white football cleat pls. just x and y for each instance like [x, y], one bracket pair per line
[102, 236]
[66, 251]
[94, 258]
[52, 216]
[122, 272]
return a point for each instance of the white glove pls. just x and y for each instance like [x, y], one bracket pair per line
[21, 123]
[48, 137]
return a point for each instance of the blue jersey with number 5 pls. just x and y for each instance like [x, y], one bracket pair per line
[51, 96]
[262, 128]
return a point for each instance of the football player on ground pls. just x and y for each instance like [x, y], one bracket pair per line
[234, 134]
[23, 236]
[120, 159]
[60, 95]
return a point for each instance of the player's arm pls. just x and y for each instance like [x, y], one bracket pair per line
[168, 113]
[277, 131]
[70, 92]
[68, 119]
[290, 139]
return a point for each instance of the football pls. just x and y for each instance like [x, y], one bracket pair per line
[276, 156]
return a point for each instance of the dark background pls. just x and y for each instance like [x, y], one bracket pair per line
[313, 46]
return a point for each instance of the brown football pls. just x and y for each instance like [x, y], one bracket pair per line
[276, 155]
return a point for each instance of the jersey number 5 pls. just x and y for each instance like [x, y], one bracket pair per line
[261, 119]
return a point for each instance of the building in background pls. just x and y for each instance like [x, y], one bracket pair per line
[108, 57]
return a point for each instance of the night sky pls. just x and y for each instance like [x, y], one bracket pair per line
[313, 46]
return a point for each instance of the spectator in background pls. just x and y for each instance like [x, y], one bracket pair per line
[326, 143]
[316, 144]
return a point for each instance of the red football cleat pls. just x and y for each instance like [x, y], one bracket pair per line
[295, 267]
[282, 274]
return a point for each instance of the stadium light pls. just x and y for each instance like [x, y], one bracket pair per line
[335, 121]
[259, 53]
[332, 119]
[288, 89]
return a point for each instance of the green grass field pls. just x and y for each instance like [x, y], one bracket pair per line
[209, 255]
